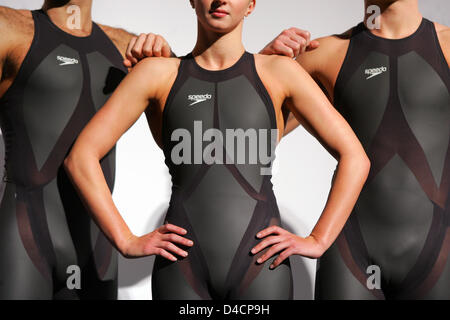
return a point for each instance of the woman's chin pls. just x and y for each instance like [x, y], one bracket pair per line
[219, 26]
[222, 31]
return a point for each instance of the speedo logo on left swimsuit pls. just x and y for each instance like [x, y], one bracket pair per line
[64, 61]
[373, 72]
[197, 98]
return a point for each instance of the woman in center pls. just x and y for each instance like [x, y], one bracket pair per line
[218, 114]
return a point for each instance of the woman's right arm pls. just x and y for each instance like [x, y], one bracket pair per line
[145, 85]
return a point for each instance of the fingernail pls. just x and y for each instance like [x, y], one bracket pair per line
[258, 235]
[174, 259]
[190, 242]
[271, 266]
[253, 250]
[259, 260]
[185, 254]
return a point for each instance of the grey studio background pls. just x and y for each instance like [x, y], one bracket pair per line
[303, 169]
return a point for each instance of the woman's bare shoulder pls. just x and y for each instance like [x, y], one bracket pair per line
[280, 73]
[154, 75]
[157, 66]
[277, 66]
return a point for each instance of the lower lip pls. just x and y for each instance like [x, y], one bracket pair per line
[219, 14]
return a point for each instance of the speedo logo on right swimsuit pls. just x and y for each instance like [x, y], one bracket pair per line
[373, 72]
[64, 61]
[197, 98]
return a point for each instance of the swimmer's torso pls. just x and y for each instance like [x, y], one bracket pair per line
[219, 133]
[60, 85]
[395, 96]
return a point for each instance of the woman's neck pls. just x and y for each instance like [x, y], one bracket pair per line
[398, 19]
[214, 51]
[76, 20]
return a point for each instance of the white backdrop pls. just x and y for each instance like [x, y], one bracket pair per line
[303, 169]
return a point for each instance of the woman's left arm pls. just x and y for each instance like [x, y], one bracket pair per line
[308, 103]
[143, 86]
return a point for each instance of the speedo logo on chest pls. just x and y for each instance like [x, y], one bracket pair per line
[64, 61]
[373, 72]
[197, 98]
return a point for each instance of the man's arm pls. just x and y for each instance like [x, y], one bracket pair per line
[290, 43]
[318, 57]
[6, 28]
[3, 41]
[311, 61]
[16, 32]
[136, 91]
[323, 65]
[134, 48]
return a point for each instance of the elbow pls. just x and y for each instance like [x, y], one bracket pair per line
[70, 164]
[366, 164]
[359, 163]
[361, 167]
[77, 163]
